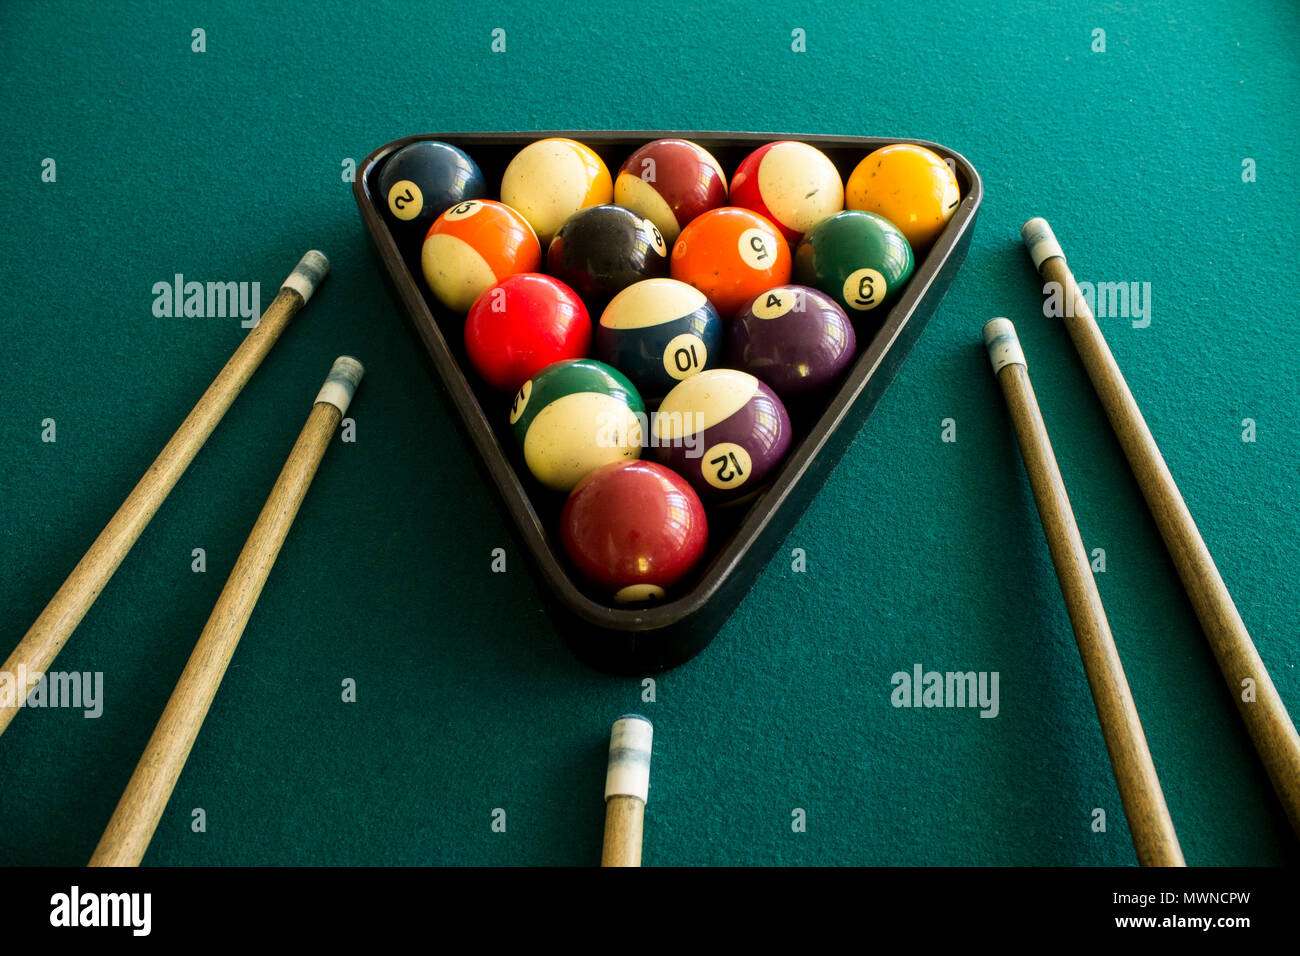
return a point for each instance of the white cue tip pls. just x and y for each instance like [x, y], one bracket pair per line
[308, 274]
[1040, 241]
[341, 383]
[629, 758]
[1003, 344]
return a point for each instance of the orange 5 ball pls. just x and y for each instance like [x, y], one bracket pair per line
[910, 186]
[731, 255]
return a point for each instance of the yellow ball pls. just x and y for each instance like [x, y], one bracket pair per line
[910, 186]
[551, 179]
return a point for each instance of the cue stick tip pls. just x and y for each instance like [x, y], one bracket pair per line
[1040, 240]
[630, 743]
[341, 383]
[1003, 344]
[308, 274]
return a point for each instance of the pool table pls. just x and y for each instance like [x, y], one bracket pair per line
[398, 700]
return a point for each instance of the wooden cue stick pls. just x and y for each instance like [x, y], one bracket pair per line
[70, 603]
[627, 787]
[1270, 726]
[1149, 823]
[133, 823]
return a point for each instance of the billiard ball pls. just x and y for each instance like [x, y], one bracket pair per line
[731, 255]
[659, 332]
[551, 179]
[474, 245]
[793, 184]
[574, 416]
[910, 186]
[423, 180]
[634, 528]
[724, 431]
[523, 324]
[794, 338]
[602, 250]
[670, 182]
[859, 259]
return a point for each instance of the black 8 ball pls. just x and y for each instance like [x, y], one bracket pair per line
[601, 250]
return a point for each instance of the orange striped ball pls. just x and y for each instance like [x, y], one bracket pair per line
[473, 246]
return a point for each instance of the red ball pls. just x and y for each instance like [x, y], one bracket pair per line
[794, 185]
[635, 528]
[521, 325]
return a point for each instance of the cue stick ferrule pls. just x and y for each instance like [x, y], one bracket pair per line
[628, 773]
[1041, 241]
[341, 383]
[307, 275]
[627, 788]
[1003, 344]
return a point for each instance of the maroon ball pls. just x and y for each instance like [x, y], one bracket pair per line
[635, 528]
[724, 431]
[671, 181]
[794, 338]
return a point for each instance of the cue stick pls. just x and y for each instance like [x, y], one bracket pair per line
[627, 787]
[1270, 726]
[133, 823]
[1139, 787]
[70, 603]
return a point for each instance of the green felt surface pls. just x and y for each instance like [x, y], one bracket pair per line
[227, 165]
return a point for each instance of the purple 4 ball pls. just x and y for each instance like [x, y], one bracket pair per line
[794, 338]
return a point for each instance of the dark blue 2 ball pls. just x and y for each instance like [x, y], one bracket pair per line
[422, 181]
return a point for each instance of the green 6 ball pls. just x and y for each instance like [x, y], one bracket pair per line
[859, 259]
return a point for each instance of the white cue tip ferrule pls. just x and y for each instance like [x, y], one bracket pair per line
[629, 758]
[1003, 344]
[309, 273]
[1040, 241]
[341, 383]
